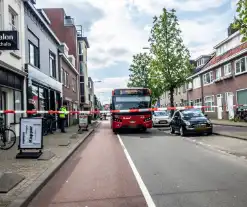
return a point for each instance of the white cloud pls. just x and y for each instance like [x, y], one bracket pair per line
[116, 30]
[154, 7]
[108, 84]
[104, 89]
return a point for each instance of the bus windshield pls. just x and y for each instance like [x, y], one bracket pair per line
[131, 102]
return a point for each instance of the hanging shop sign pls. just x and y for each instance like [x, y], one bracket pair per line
[9, 40]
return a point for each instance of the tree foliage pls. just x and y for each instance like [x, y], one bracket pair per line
[170, 65]
[140, 75]
[241, 21]
[139, 71]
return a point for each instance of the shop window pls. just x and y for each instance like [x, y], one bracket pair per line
[42, 101]
[52, 65]
[33, 98]
[18, 105]
[33, 54]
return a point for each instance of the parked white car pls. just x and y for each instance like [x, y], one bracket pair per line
[161, 118]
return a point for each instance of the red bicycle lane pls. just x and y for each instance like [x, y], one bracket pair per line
[98, 175]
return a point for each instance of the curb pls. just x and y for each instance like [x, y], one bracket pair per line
[230, 136]
[30, 192]
[232, 125]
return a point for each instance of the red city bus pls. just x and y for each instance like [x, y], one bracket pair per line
[131, 98]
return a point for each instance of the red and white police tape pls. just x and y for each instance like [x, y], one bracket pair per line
[112, 111]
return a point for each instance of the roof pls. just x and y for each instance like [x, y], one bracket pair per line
[227, 39]
[202, 56]
[227, 54]
[38, 15]
[85, 40]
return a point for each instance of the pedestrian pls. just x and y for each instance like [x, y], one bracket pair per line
[62, 117]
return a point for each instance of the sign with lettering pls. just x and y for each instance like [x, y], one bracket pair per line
[9, 40]
[31, 136]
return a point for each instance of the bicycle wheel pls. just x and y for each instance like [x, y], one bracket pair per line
[7, 139]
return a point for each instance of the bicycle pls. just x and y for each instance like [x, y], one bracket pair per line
[7, 136]
[241, 115]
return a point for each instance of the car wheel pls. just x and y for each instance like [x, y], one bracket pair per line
[181, 131]
[172, 130]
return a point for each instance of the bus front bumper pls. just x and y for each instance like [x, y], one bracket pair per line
[121, 125]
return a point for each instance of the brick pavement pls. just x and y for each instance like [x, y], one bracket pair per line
[32, 169]
[228, 123]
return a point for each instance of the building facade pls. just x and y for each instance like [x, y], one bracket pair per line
[83, 45]
[65, 29]
[223, 79]
[91, 93]
[44, 88]
[69, 78]
[12, 73]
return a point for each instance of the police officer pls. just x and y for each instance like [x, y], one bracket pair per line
[62, 117]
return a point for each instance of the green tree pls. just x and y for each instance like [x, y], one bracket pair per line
[241, 21]
[139, 71]
[171, 64]
[140, 75]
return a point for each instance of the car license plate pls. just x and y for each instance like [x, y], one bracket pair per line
[201, 126]
[132, 122]
[163, 122]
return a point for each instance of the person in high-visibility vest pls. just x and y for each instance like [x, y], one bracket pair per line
[62, 117]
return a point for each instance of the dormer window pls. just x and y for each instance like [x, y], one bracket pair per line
[200, 62]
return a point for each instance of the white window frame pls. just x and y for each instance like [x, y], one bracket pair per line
[74, 84]
[218, 70]
[52, 65]
[211, 78]
[13, 19]
[227, 69]
[197, 82]
[198, 102]
[190, 85]
[239, 61]
[209, 109]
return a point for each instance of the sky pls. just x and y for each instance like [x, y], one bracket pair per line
[118, 29]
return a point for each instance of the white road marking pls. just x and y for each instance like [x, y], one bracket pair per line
[140, 182]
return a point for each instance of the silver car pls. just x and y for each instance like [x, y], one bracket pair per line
[161, 118]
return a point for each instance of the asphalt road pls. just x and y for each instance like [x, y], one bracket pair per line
[179, 173]
[175, 172]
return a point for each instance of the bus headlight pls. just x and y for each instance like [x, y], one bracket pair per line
[148, 119]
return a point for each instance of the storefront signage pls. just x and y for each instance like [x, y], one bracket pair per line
[31, 133]
[83, 121]
[9, 40]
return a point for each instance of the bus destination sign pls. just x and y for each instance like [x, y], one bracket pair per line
[130, 92]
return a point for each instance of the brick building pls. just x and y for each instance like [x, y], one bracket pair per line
[65, 29]
[223, 78]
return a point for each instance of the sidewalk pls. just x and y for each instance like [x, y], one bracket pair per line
[57, 148]
[228, 123]
[230, 129]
